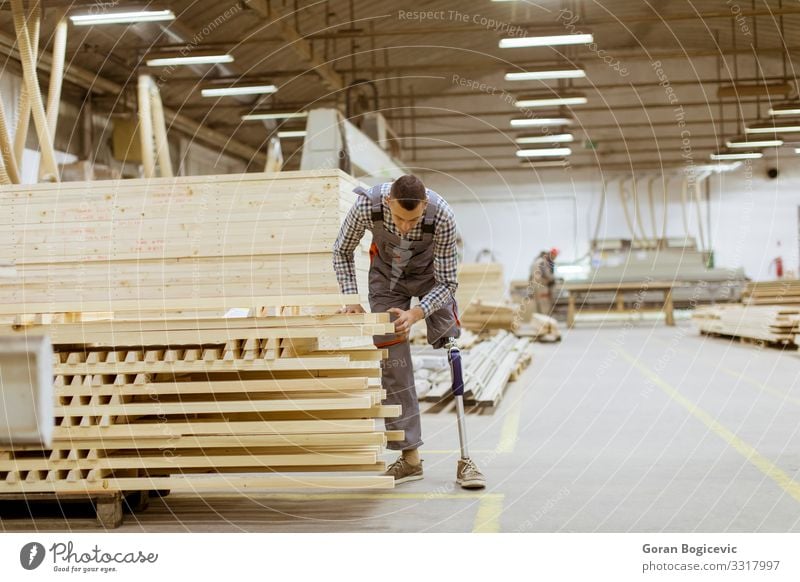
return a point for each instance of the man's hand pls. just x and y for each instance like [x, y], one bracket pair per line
[355, 308]
[405, 319]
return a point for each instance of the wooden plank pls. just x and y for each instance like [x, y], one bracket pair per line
[219, 387]
[300, 441]
[217, 407]
[184, 461]
[187, 367]
[206, 484]
[178, 429]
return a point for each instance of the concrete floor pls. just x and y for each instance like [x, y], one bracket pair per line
[618, 428]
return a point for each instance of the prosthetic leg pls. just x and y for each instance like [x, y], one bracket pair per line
[467, 475]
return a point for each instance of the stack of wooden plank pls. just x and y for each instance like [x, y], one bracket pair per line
[782, 292]
[765, 323]
[209, 404]
[489, 366]
[481, 298]
[172, 243]
[481, 317]
[155, 388]
[541, 328]
[480, 282]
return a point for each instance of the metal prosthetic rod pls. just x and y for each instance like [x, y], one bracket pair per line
[457, 375]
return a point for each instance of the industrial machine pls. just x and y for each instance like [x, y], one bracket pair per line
[692, 271]
[334, 142]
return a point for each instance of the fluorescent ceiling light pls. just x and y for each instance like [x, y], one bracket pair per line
[289, 134]
[122, 17]
[196, 60]
[737, 156]
[546, 74]
[555, 138]
[797, 150]
[764, 143]
[541, 122]
[774, 128]
[544, 153]
[227, 91]
[275, 115]
[550, 101]
[789, 109]
[556, 40]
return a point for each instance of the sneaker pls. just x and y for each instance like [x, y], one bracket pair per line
[402, 471]
[468, 475]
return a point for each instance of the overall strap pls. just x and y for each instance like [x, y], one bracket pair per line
[375, 200]
[428, 226]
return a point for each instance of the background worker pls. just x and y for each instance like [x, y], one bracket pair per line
[413, 254]
[542, 281]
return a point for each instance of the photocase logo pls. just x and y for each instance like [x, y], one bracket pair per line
[31, 555]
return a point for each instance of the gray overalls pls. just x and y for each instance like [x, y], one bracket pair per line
[399, 270]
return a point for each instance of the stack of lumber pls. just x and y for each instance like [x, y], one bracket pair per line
[155, 388]
[541, 328]
[209, 404]
[480, 282]
[489, 366]
[481, 298]
[481, 317]
[171, 244]
[782, 292]
[765, 323]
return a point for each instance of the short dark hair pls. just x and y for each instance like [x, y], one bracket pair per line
[409, 191]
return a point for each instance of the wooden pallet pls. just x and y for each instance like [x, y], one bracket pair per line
[209, 404]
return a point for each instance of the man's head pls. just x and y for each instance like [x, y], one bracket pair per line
[553, 254]
[407, 201]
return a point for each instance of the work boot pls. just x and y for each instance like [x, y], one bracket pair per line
[468, 475]
[403, 471]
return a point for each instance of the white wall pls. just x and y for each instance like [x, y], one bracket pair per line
[521, 215]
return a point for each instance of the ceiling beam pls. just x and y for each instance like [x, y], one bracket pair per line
[299, 43]
[94, 83]
[472, 67]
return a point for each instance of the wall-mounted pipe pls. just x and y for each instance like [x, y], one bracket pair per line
[684, 214]
[665, 201]
[160, 131]
[602, 207]
[56, 79]
[146, 126]
[651, 202]
[37, 107]
[637, 211]
[624, 203]
[703, 244]
[24, 106]
[4, 177]
[10, 168]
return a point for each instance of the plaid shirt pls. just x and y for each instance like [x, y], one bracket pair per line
[445, 253]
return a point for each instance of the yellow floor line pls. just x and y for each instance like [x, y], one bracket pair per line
[765, 387]
[752, 381]
[782, 479]
[424, 451]
[490, 509]
[420, 496]
[510, 432]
